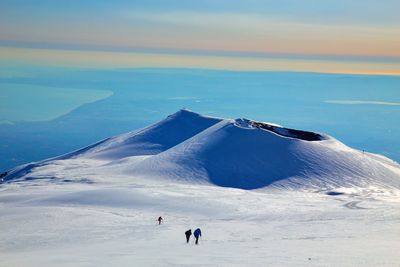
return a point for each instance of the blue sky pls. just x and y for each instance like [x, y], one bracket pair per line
[327, 11]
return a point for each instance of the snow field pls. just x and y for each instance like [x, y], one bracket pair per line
[102, 225]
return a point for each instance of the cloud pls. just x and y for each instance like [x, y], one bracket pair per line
[361, 102]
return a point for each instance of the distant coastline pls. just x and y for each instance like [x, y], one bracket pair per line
[34, 103]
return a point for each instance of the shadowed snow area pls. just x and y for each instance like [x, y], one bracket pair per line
[241, 153]
[231, 154]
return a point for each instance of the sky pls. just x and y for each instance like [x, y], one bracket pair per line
[307, 35]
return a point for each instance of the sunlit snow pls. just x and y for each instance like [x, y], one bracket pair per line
[262, 194]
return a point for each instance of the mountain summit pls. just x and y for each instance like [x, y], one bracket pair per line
[192, 148]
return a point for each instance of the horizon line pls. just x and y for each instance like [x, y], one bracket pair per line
[124, 59]
[196, 52]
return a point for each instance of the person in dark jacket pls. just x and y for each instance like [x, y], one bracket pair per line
[188, 233]
[197, 234]
[159, 220]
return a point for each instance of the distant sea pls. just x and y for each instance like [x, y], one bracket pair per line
[45, 112]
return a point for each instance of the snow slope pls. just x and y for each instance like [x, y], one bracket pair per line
[148, 141]
[240, 153]
[233, 153]
[154, 139]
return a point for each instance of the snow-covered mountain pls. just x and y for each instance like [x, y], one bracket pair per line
[98, 206]
[241, 153]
